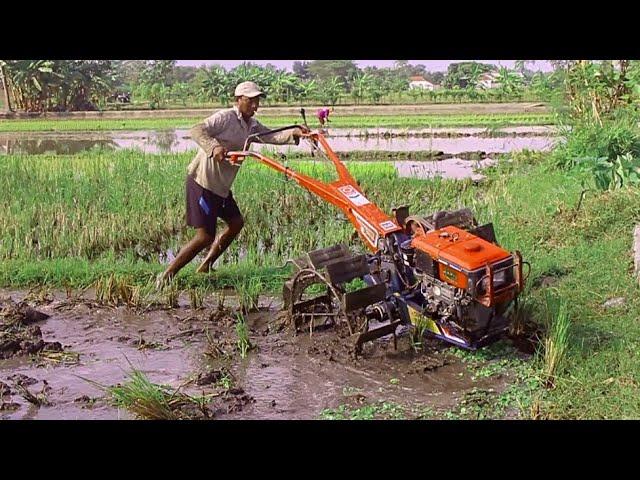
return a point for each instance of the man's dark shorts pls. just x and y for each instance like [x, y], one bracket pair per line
[205, 207]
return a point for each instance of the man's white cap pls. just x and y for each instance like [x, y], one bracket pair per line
[248, 89]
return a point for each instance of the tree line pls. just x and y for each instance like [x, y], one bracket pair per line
[68, 85]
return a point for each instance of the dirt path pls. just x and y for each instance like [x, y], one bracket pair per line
[283, 376]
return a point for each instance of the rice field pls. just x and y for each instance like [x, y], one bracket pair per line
[71, 220]
[337, 121]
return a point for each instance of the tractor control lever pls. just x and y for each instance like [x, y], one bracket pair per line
[304, 117]
[237, 159]
[281, 129]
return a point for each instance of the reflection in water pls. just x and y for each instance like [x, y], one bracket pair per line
[38, 146]
[164, 140]
[178, 140]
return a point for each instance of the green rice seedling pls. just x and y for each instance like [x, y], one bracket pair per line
[142, 295]
[226, 381]
[243, 343]
[417, 335]
[115, 290]
[172, 295]
[143, 398]
[341, 121]
[150, 401]
[196, 297]
[248, 291]
[221, 297]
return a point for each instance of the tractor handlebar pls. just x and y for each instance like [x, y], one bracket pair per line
[237, 157]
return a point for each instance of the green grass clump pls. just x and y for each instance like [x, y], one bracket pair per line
[150, 401]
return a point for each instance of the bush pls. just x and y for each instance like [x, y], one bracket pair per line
[616, 137]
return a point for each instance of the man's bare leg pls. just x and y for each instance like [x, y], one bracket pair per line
[222, 243]
[201, 240]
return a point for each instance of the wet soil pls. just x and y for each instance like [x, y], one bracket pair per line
[284, 376]
[19, 334]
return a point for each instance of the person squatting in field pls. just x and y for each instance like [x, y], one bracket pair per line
[323, 115]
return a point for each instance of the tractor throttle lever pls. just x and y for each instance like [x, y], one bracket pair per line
[304, 117]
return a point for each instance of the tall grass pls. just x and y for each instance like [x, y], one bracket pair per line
[556, 342]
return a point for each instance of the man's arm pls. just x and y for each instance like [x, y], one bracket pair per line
[204, 134]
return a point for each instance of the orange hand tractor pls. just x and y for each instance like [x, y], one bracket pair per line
[443, 270]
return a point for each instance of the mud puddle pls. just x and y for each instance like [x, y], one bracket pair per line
[303, 379]
[282, 377]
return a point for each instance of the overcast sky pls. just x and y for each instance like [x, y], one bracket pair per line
[432, 65]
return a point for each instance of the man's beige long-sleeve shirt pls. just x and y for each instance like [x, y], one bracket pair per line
[228, 129]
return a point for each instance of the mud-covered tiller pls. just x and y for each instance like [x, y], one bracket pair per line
[443, 269]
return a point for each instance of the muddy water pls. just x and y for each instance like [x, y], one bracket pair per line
[285, 376]
[289, 383]
[342, 140]
[106, 340]
[523, 130]
[447, 145]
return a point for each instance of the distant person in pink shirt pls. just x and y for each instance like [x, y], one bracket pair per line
[323, 115]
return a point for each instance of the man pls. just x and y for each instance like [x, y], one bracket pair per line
[210, 176]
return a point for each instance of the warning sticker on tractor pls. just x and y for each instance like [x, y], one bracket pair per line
[388, 225]
[353, 195]
[367, 230]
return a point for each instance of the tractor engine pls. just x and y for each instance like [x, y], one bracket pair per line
[466, 281]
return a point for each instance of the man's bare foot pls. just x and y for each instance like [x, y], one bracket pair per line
[203, 268]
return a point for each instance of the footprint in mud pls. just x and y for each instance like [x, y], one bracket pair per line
[233, 401]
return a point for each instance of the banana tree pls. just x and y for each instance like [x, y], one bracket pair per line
[510, 83]
[5, 87]
[330, 91]
[216, 84]
[308, 90]
[41, 85]
[361, 86]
